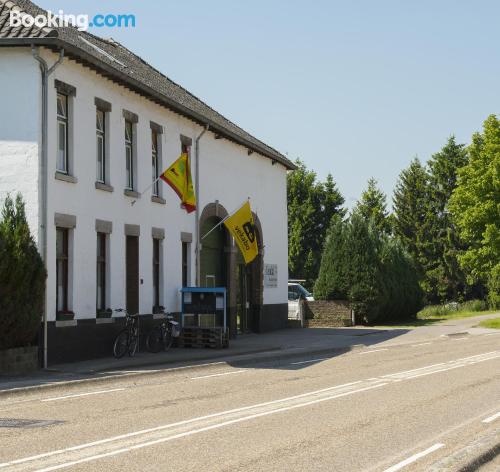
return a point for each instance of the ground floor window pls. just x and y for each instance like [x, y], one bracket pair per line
[62, 260]
[101, 272]
[156, 273]
[185, 264]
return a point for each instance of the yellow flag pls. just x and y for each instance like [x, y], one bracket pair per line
[178, 176]
[242, 227]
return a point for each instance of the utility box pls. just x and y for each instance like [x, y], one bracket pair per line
[204, 317]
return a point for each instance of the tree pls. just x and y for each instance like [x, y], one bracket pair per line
[311, 206]
[364, 265]
[475, 207]
[411, 207]
[444, 271]
[22, 278]
[373, 206]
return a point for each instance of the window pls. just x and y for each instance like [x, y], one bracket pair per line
[129, 155]
[62, 269]
[155, 163]
[156, 272]
[101, 145]
[185, 264]
[101, 272]
[62, 133]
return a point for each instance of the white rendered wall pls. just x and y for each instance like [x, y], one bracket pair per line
[227, 173]
[20, 84]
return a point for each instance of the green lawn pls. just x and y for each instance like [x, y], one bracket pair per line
[493, 323]
[428, 320]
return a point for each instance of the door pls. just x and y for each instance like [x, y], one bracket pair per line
[132, 274]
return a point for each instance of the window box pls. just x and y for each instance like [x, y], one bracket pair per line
[65, 316]
[104, 313]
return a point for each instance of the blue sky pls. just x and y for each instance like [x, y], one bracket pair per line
[354, 88]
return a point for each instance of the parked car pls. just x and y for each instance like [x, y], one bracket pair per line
[297, 291]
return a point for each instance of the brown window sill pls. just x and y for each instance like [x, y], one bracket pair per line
[65, 177]
[104, 187]
[131, 193]
[156, 199]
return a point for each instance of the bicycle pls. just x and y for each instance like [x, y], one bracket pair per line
[127, 339]
[162, 336]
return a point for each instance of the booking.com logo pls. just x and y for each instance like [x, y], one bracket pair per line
[82, 21]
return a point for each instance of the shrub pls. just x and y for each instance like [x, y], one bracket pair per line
[474, 305]
[22, 278]
[362, 264]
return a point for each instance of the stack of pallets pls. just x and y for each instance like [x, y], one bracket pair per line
[214, 338]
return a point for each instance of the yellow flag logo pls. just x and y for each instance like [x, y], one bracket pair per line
[241, 226]
[178, 176]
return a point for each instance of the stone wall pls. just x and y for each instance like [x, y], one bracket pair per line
[19, 360]
[327, 313]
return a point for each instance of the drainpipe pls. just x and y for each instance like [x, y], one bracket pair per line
[42, 176]
[198, 202]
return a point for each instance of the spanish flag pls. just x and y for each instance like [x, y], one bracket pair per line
[240, 224]
[178, 176]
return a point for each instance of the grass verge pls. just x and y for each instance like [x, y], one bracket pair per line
[494, 323]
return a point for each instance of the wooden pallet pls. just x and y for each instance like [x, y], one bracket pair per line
[214, 338]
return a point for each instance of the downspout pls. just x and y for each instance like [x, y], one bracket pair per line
[43, 176]
[198, 201]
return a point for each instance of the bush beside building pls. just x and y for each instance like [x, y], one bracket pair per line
[22, 279]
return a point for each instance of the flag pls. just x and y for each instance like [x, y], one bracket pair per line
[178, 176]
[240, 224]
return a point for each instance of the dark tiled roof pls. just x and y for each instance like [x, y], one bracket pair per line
[120, 64]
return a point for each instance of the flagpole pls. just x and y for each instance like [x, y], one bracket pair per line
[147, 188]
[224, 219]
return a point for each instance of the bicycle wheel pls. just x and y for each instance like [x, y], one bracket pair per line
[168, 340]
[154, 340]
[121, 344]
[133, 343]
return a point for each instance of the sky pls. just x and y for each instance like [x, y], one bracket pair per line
[353, 88]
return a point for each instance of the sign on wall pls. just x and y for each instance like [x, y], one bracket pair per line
[271, 275]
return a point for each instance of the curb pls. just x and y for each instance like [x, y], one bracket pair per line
[247, 357]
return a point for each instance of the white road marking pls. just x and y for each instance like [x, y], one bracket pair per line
[311, 360]
[111, 446]
[86, 394]
[414, 458]
[145, 371]
[219, 374]
[421, 344]
[492, 418]
[492, 334]
[373, 350]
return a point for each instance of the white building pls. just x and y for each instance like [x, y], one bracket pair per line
[80, 140]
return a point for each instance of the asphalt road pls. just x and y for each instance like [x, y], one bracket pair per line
[424, 406]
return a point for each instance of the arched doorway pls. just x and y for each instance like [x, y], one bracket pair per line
[213, 263]
[221, 265]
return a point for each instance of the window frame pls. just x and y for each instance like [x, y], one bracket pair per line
[63, 120]
[156, 272]
[101, 136]
[186, 247]
[155, 163]
[129, 150]
[101, 270]
[62, 258]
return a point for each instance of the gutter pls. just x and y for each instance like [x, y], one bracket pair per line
[146, 90]
[43, 176]
[197, 193]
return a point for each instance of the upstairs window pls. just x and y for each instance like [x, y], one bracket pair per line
[62, 133]
[155, 163]
[101, 145]
[129, 156]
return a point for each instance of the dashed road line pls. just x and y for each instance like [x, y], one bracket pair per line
[219, 374]
[414, 458]
[492, 418]
[373, 350]
[85, 394]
